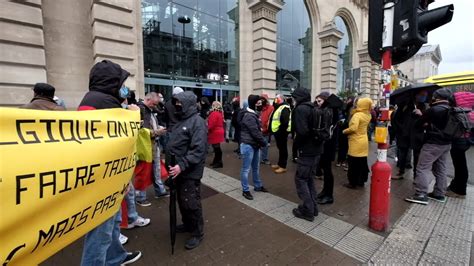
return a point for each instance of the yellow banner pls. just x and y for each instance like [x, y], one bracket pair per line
[61, 175]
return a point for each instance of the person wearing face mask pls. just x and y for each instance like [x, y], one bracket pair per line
[188, 146]
[102, 244]
[435, 150]
[329, 151]
[251, 141]
[409, 132]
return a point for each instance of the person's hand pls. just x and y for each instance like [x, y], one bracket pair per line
[127, 189]
[417, 112]
[133, 107]
[175, 171]
[160, 131]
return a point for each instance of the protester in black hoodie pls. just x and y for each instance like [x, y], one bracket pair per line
[252, 140]
[101, 243]
[309, 150]
[188, 145]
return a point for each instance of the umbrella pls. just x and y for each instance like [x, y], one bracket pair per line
[171, 184]
[406, 94]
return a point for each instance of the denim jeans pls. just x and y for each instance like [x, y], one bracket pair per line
[157, 183]
[102, 245]
[250, 158]
[264, 150]
[131, 208]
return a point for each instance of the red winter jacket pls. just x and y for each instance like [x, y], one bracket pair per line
[465, 99]
[265, 118]
[216, 128]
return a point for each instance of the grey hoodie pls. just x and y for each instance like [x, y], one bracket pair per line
[188, 142]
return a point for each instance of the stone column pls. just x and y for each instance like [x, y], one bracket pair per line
[375, 91]
[329, 37]
[22, 50]
[365, 64]
[116, 33]
[264, 45]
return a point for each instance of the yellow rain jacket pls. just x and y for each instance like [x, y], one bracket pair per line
[357, 130]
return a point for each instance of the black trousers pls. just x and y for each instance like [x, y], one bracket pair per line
[403, 159]
[461, 173]
[358, 171]
[305, 188]
[281, 142]
[326, 167]
[343, 148]
[189, 201]
[217, 153]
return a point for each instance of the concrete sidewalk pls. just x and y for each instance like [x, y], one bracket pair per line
[264, 231]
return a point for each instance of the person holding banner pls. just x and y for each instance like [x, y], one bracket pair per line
[43, 98]
[102, 245]
[188, 145]
[150, 121]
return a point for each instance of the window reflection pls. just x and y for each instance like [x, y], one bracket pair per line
[294, 46]
[201, 50]
[344, 60]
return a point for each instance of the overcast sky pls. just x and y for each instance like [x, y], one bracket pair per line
[456, 39]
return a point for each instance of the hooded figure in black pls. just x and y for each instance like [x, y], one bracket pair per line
[105, 81]
[188, 144]
[205, 107]
[102, 245]
[308, 151]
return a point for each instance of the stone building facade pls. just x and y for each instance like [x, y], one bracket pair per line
[58, 42]
[423, 64]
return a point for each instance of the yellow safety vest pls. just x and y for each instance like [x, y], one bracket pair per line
[276, 119]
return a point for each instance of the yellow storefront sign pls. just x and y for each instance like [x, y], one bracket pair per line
[61, 175]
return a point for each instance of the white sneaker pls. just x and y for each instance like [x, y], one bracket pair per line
[123, 239]
[140, 222]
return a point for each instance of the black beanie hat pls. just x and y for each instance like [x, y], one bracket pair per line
[253, 99]
[44, 89]
[324, 95]
[444, 94]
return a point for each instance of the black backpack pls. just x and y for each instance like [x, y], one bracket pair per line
[321, 123]
[458, 124]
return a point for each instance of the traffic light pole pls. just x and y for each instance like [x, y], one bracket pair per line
[379, 210]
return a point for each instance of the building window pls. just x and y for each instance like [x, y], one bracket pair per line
[294, 47]
[191, 40]
[344, 60]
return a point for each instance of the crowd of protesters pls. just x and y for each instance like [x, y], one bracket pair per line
[184, 128]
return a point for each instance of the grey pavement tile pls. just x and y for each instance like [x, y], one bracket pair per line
[301, 225]
[392, 253]
[325, 235]
[337, 225]
[360, 244]
[283, 213]
[451, 249]
[224, 188]
[270, 204]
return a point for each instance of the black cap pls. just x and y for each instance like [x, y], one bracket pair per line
[44, 89]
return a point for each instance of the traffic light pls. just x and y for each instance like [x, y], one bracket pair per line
[412, 22]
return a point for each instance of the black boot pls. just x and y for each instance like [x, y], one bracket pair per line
[193, 242]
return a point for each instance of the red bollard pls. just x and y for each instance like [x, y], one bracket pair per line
[379, 210]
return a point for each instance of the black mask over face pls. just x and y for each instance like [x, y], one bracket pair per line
[258, 108]
[179, 111]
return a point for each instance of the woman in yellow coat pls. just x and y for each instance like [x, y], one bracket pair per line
[358, 143]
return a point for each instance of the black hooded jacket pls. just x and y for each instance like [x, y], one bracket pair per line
[189, 139]
[250, 125]
[305, 142]
[105, 80]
